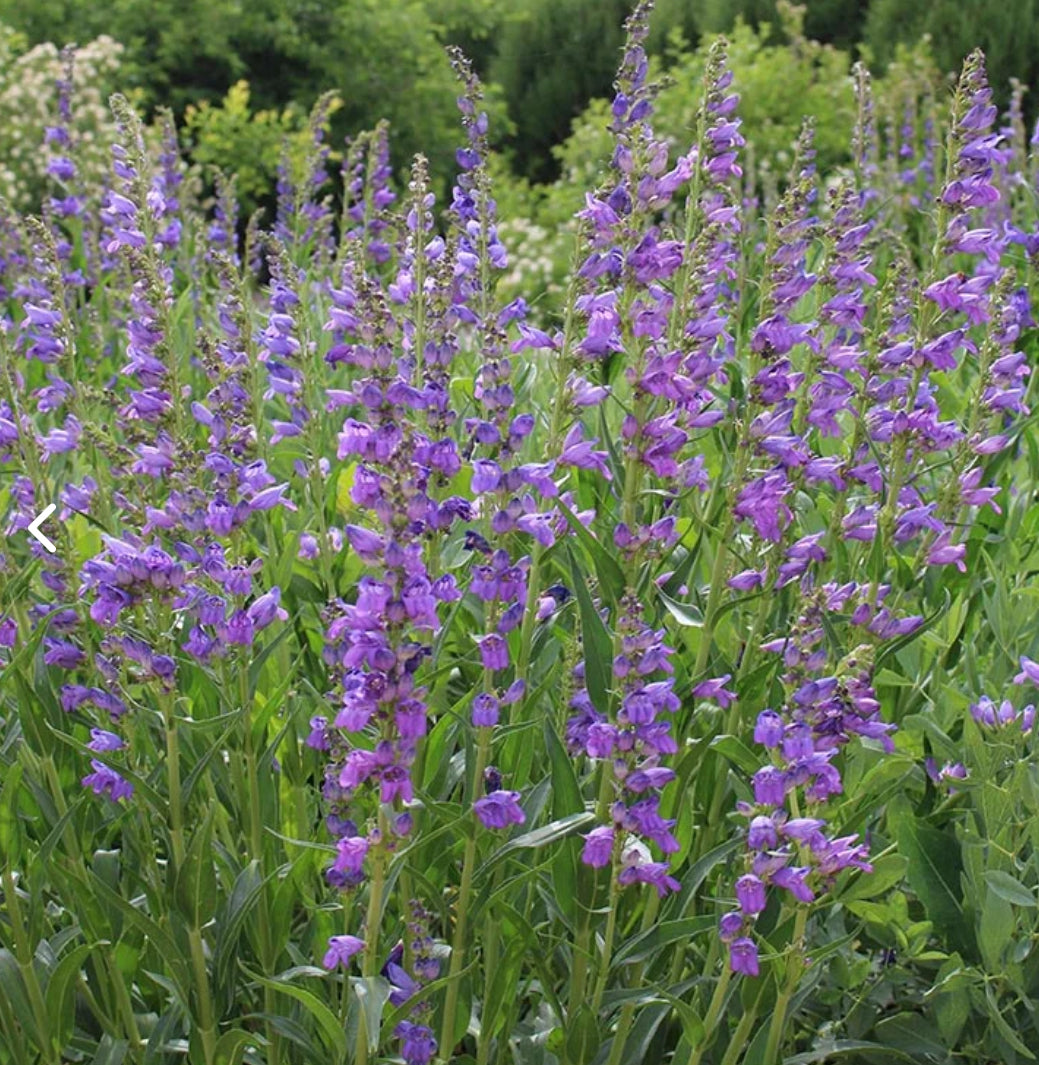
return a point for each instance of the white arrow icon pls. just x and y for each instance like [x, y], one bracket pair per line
[34, 527]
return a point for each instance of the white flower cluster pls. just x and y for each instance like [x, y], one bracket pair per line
[536, 257]
[29, 104]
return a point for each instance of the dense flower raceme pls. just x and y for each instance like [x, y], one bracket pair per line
[902, 418]
[167, 585]
[377, 644]
[750, 481]
[676, 346]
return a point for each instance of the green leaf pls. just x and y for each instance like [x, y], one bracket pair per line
[1009, 889]
[58, 995]
[737, 752]
[195, 888]
[608, 572]
[598, 648]
[843, 1047]
[110, 1051]
[233, 1043]
[566, 794]
[245, 893]
[1001, 1024]
[933, 873]
[644, 945]
[12, 986]
[161, 940]
[541, 837]
[333, 1031]
[582, 1034]
[503, 982]
[373, 992]
[887, 871]
[10, 828]
[683, 613]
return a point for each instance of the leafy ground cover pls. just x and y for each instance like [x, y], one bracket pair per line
[419, 678]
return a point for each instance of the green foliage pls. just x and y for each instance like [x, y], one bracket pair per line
[779, 83]
[836, 22]
[384, 57]
[554, 56]
[550, 61]
[235, 139]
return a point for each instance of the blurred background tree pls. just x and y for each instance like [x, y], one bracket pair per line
[1006, 30]
[837, 22]
[545, 62]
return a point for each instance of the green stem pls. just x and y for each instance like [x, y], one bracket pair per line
[740, 1036]
[721, 989]
[447, 1031]
[207, 1025]
[173, 780]
[581, 956]
[256, 853]
[491, 950]
[115, 979]
[371, 932]
[627, 1017]
[24, 953]
[207, 1021]
[795, 966]
[603, 972]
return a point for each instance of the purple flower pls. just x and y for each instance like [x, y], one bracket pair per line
[715, 689]
[769, 729]
[769, 786]
[486, 476]
[730, 926]
[750, 892]
[418, 1045]
[105, 780]
[743, 956]
[762, 834]
[1029, 671]
[655, 873]
[494, 651]
[340, 950]
[265, 609]
[101, 740]
[499, 809]
[794, 880]
[351, 854]
[485, 711]
[598, 847]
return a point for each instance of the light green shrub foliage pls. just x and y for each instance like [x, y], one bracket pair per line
[235, 139]
[29, 103]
